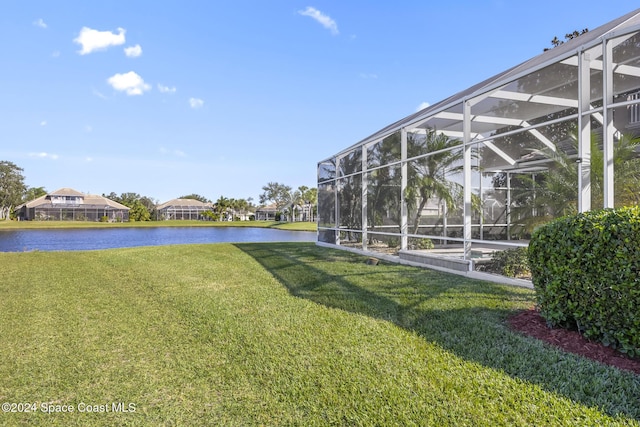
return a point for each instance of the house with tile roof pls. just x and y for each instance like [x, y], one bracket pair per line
[67, 204]
[267, 213]
[183, 209]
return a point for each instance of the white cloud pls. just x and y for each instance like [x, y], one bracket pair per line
[130, 82]
[321, 18]
[166, 89]
[40, 23]
[177, 153]
[196, 103]
[99, 95]
[133, 51]
[88, 128]
[43, 123]
[55, 54]
[92, 40]
[368, 76]
[422, 106]
[44, 155]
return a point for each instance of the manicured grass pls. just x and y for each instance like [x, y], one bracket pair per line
[281, 334]
[296, 226]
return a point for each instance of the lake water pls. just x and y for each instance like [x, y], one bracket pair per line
[99, 238]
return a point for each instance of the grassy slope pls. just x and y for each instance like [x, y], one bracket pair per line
[281, 334]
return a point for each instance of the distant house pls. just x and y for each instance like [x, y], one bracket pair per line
[303, 212]
[232, 215]
[67, 204]
[183, 209]
[266, 213]
[245, 216]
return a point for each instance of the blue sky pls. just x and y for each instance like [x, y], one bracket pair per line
[168, 98]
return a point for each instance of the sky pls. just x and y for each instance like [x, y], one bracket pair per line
[218, 98]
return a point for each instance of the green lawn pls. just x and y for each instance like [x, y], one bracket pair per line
[281, 334]
[296, 226]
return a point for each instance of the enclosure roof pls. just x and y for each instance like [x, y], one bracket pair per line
[184, 203]
[563, 51]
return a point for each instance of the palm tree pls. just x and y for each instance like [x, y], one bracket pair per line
[383, 196]
[555, 192]
[429, 177]
[221, 206]
[626, 171]
[383, 192]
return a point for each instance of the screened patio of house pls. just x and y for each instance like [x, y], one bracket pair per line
[478, 171]
[183, 209]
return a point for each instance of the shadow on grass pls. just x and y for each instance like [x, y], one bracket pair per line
[464, 316]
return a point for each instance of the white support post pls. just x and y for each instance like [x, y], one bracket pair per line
[609, 130]
[508, 207]
[404, 216]
[480, 193]
[337, 202]
[584, 136]
[365, 186]
[466, 126]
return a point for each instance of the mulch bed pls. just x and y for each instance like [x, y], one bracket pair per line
[530, 322]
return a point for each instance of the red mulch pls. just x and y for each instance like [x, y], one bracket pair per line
[530, 322]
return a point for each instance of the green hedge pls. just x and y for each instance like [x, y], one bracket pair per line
[586, 273]
[509, 262]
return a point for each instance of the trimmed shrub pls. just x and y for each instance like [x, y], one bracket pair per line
[586, 273]
[510, 263]
[421, 243]
[393, 242]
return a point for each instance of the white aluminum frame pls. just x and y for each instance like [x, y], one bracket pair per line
[581, 57]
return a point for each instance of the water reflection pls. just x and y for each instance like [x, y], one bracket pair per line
[98, 238]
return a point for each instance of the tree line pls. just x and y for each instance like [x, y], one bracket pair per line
[14, 192]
